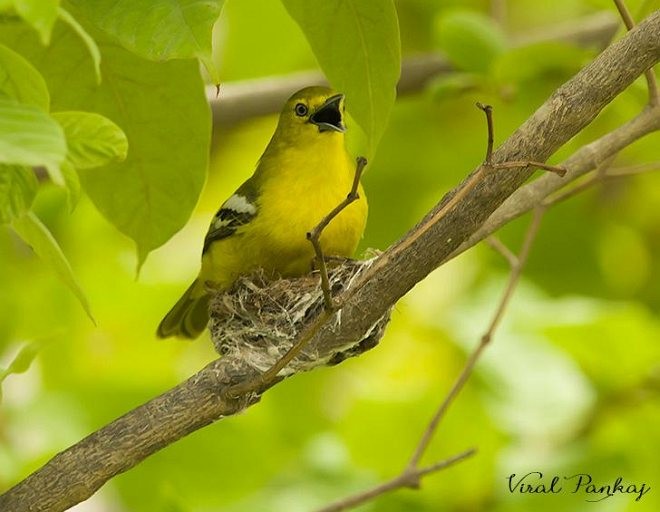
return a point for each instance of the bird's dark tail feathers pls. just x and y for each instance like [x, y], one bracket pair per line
[189, 316]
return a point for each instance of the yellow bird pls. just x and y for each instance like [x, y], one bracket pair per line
[304, 173]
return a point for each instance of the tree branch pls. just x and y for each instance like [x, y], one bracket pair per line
[75, 474]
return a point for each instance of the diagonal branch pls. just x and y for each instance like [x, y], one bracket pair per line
[75, 474]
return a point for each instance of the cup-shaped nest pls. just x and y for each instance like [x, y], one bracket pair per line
[258, 319]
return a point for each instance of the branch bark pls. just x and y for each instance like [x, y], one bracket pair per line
[75, 474]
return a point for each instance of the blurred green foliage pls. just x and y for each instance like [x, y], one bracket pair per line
[570, 384]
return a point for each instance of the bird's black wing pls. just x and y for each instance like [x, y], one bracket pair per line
[235, 212]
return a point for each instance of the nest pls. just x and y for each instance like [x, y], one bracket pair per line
[257, 321]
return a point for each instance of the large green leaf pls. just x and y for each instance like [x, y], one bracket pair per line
[18, 186]
[21, 81]
[29, 136]
[158, 29]
[40, 14]
[162, 109]
[357, 45]
[37, 236]
[92, 139]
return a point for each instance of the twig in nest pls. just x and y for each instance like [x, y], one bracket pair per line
[315, 234]
[267, 324]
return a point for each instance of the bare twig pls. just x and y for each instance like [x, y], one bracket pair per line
[583, 161]
[632, 170]
[567, 193]
[406, 479]
[488, 110]
[410, 476]
[516, 271]
[506, 253]
[559, 171]
[649, 73]
[315, 234]
[488, 161]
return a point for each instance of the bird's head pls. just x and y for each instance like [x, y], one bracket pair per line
[313, 112]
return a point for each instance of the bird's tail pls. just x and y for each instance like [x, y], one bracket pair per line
[189, 316]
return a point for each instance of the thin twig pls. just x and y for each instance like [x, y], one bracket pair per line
[405, 479]
[410, 476]
[559, 171]
[597, 176]
[632, 170]
[485, 339]
[602, 173]
[648, 74]
[315, 234]
[516, 271]
[506, 253]
[488, 110]
[488, 161]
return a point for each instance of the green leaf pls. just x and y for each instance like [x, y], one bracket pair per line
[470, 39]
[24, 358]
[21, 81]
[91, 45]
[162, 109]
[37, 236]
[447, 86]
[29, 136]
[159, 30]
[92, 139]
[358, 47]
[18, 186]
[21, 363]
[72, 184]
[40, 14]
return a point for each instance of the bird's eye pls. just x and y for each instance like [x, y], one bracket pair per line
[301, 110]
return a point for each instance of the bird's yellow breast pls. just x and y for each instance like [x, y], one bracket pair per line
[298, 186]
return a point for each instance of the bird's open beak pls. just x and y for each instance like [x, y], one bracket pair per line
[328, 116]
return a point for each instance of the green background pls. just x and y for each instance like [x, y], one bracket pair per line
[570, 384]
